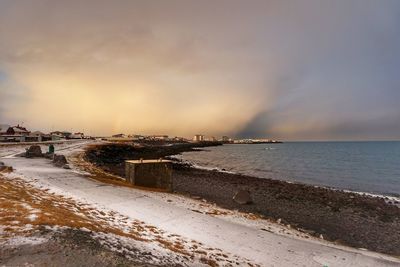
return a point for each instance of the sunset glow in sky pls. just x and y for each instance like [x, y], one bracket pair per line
[297, 70]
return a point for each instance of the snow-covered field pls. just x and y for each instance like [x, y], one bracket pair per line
[180, 229]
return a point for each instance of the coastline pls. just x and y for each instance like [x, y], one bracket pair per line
[390, 198]
[169, 223]
[347, 218]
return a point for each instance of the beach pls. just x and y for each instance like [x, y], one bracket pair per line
[346, 218]
[194, 226]
[357, 220]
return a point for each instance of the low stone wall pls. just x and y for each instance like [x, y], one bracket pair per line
[149, 173]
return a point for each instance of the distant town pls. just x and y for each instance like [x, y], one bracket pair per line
[19, 134]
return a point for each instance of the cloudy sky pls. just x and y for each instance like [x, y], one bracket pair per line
[292, 70]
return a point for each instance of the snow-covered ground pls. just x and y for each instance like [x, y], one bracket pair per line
[241, 238]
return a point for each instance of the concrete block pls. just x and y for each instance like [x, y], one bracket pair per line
[149, 173]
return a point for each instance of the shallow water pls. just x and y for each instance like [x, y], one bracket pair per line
[372, 167]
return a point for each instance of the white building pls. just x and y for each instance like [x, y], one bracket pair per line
[198, 138]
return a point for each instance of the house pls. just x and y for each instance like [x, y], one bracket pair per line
[18, 130]
[4, 136]
[38, 136]
[121, 135]
[13, 134]
[179, 139]
[158, 137]
[212, 139]
[137, 137]
[226, 139]
[77, 136]
[60, 135]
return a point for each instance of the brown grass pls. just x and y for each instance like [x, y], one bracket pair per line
[174, 246]
[18, 200]
[6, 169]
[209, 262]
[217, 212]
[17, 196]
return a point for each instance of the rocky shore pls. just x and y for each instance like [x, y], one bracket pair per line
[347, 218]
[356, 220]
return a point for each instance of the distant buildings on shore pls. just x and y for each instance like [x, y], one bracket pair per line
[227, 140]
[145, 138]
[19, 133]
[198, 138]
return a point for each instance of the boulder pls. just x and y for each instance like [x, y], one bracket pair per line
[33, 151]
[59, 160]
[4, 168]
[242, 197]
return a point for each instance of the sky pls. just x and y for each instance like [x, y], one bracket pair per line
[289, 70]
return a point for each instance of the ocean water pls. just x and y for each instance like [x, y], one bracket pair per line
[372, 167]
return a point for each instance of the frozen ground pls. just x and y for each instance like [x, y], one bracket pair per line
[202, 230]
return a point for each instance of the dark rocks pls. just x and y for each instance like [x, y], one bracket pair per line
[59, 160]
[242, 197]
[34, 152]
[66, 166]
[4, 168]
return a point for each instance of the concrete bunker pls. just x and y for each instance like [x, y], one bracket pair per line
[149, 173]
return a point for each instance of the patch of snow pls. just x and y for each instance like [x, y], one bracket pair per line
[24, 240]
[32, 217]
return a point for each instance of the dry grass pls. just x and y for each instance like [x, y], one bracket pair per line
[177, 247]
[19, 201]
[209, 262]
[6, 169]
[217, 212]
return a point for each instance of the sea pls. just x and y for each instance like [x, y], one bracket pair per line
[371, 167]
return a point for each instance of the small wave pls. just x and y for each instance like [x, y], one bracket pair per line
[201, 167]
[386, 197]
[210, 168]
